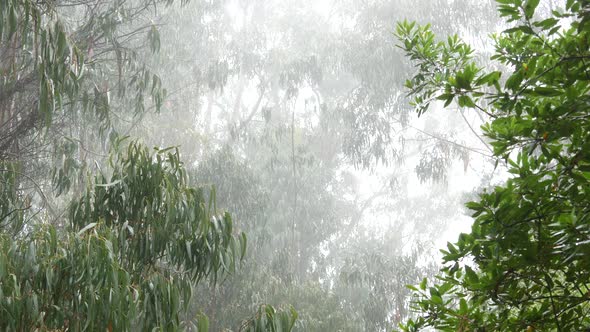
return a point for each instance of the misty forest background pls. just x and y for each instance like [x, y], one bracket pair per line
[292, 116]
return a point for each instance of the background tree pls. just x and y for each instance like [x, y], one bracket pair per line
[121, 252]
[272, 115]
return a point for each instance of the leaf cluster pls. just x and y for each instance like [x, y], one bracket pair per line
[138, 241]
[524, 266]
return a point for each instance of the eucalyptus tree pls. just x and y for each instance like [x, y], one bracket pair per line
[524, 265]
[69, 68]
[276, 100]
[64, 57]
[136, 239]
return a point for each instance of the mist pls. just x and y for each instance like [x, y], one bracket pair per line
[299, 118]
[260, 158]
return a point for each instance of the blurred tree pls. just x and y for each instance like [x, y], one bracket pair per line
[525, 265]
[272, 102]
[373, 281]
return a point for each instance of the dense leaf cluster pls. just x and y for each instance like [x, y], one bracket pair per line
[139, 240]
[270, 319]
[525, 265]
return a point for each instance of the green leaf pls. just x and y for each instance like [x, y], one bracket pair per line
[87, 227]
[465, 101]
[202, 323]
[530, 7]
[243, 245]
[61, 42]
[110, 184]
[515, 80]
[12, 20]
[546, 91]
[463, 308]
[547, 23]
[471, 276]
[154, 38]
[423, 284]
[436, 299]
[488, 79]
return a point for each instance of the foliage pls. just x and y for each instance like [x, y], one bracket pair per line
[295, 98]
[137, 242]
[374, 113]
[68, 68]
[267, 318]
[267, 275]
[274, 103]
[12, 206]
[57, 64]
[140, 238]
[376, 282]
[525, 265]
[64, 69]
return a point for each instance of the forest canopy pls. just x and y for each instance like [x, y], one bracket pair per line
[257, 165]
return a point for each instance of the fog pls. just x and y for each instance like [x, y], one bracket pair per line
[294, 117]
[296, 112]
